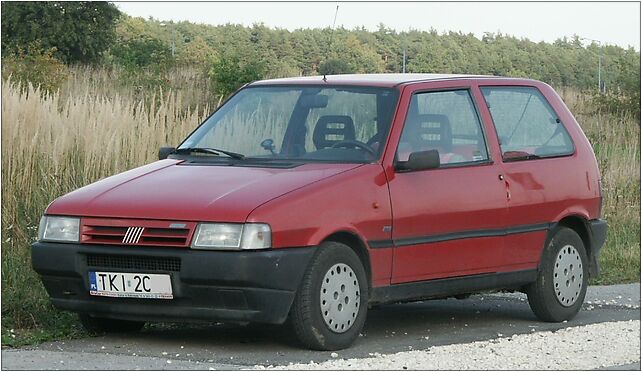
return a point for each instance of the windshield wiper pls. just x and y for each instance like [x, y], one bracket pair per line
[209, 150]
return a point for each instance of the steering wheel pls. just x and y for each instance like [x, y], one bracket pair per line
[351, 144]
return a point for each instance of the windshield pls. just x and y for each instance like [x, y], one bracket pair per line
[338, 124]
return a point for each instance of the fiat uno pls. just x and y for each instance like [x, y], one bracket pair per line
[309, 199]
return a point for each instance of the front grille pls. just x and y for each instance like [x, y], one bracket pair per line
[136, 232]
[134, 262]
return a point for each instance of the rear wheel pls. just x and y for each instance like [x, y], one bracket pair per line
[329, 310]
[562, 278]
[107, 325]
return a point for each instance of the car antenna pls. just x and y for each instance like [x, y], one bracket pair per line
[334, 22]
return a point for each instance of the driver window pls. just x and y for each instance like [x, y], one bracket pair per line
[444, 121]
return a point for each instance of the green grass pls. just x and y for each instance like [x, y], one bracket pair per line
[620, 256]
[27, 315]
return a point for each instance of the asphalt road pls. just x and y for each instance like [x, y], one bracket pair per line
[389, 329]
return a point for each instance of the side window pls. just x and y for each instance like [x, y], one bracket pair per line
[443, 121]
[526, 124]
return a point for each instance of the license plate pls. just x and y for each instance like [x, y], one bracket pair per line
[131, 285]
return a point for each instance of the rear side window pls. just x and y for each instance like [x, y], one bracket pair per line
[526, 124]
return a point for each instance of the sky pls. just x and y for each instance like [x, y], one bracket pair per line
[609, 22]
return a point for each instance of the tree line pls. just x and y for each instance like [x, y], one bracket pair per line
[232, 54]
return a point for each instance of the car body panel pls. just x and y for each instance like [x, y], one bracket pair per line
[547, 190]
[380, 80]
[354, 202]
[170, 190]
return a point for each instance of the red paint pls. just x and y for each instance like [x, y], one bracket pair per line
[305, 205]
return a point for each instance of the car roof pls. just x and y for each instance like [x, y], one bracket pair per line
[385, 80]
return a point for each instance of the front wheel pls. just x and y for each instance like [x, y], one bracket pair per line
[329, 310]
[562, 278]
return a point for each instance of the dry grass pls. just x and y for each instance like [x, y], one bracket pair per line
[54, 144]
[97, 125]
[616, 142]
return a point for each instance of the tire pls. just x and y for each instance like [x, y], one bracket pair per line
[562, 278]
[320, 316]
[107, 325]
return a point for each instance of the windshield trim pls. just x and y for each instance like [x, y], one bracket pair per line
[376, 160]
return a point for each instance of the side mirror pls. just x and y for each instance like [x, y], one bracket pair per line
[420, 160]
[164, 152]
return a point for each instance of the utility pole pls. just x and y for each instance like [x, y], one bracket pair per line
[173, 42]
[404, 60]
[599, 63]
[599, 71]
[173, 39]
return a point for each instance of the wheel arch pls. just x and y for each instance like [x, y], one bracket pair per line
[579, 224]
[357, 244]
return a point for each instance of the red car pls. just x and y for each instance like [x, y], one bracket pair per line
[310, 199]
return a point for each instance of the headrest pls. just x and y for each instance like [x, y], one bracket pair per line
[331, 129]
[432, 131]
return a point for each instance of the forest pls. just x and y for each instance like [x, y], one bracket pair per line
[229, 55]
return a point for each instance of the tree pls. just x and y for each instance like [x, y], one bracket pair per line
[335, 66]
[230, 72]
[79, 31]
[196, 53]
[142, 52]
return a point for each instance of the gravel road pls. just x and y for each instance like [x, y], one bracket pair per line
[493, 331]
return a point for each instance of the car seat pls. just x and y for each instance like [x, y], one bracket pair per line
[428, 132]
[331, 129]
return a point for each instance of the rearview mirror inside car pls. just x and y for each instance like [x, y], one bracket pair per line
[314, 101]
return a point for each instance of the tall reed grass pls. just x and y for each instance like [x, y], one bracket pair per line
[97, 125]
[616, 142]
[55, 143]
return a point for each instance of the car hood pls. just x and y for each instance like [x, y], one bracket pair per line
[173, 190]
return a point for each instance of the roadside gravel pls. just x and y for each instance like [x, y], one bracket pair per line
[580, 348]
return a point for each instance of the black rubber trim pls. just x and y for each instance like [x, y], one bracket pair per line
[381, 243]
[598, 229]
[481, 233]
[439, 288]
[257, 286]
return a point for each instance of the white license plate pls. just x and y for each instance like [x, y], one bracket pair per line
[130, 285]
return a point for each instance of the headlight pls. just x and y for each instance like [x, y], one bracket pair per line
[59, 229]
[232, 236]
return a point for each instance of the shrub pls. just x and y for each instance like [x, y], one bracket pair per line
[230, 72]
[142, 51]
[35, 66]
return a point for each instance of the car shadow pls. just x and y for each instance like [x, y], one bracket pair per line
[389, 328]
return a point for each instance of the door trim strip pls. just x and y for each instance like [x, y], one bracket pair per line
[469, 234]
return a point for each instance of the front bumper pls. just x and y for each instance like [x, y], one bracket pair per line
[598, 229]
[256, 286]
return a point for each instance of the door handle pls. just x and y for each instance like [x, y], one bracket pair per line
[502, 178]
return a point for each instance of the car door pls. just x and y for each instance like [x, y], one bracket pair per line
[541, 175]
[447, 221]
